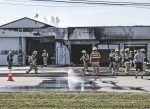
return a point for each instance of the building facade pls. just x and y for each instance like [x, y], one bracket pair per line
[28, 35]
[64, 45]
[107, 38]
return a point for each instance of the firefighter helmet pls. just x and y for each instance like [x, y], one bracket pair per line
[135, 51]
[116, 50]
[127, 50]
[34, 52]
[142, 50]
[94, 48]
[10, 52]
[83, 51]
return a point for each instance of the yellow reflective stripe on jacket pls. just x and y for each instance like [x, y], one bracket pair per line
[95, 57]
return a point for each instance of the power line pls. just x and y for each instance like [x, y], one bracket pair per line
[103, 1]
[89, 3]
[96, 2]
[106, 3]
[40, 5]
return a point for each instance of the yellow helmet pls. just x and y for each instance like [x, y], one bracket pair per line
[116, 50]
[127, 49]
[142, 50]
[135, 51]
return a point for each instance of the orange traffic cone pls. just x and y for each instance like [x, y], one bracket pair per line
[10, 78]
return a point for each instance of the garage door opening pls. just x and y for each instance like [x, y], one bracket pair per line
[40, 44]
[76, 52]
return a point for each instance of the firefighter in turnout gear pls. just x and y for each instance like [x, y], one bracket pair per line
[111, 59]
[10, 59]
[117, 60]
[127, 60]
[85, 59]
[45, 56]
[132, 59]
[122, 55]
[20, 57]
[144, 59]
[95, 60]
[134, 52]
[33, 62]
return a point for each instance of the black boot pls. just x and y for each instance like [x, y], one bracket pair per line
[27, 72]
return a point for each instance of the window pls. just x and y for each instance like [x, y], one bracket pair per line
[5, 52]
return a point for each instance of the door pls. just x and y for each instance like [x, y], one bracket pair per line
[61, 55]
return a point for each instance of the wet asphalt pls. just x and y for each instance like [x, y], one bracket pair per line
[68, 79]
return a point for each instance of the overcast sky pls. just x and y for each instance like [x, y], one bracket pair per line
[75, 16]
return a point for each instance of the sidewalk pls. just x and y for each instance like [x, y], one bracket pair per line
[42, 71]
[57, 71]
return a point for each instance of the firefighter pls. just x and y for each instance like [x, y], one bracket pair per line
[132, 59]
[45, 56]
[85, 60]
[20, 57]
[117, 60]
[144, 59]
[95, 60]
[127, 60]
[33, 62]
[139, 63]
[135, 51]
[122, 55]
[111, 59]
[10, 59]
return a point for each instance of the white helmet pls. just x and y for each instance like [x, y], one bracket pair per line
[44, 50]
[94, 48]
[10, 52]
[83, 51]
[34, 52]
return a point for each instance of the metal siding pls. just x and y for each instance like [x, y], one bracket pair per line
[8, 44]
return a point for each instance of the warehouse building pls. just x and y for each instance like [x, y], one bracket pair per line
[64, 45]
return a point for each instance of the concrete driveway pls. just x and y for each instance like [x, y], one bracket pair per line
[70, 79]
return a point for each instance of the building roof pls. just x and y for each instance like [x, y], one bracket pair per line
[109, 26]
[25, 22]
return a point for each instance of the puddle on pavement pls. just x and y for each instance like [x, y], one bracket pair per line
[71, 83]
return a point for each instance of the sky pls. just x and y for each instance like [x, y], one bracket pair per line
[75, 15]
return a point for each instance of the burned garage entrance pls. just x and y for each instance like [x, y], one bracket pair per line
[40, 44]
[104, 51]
[76, 52]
